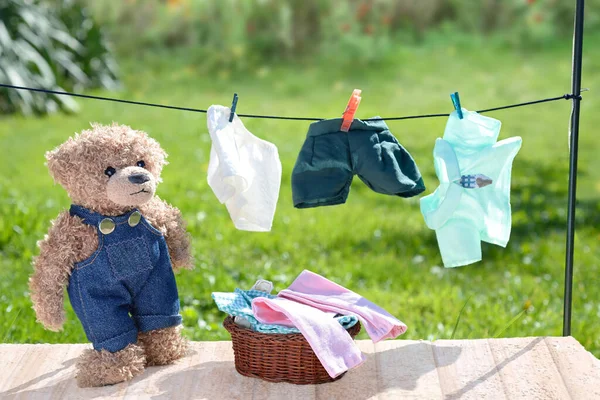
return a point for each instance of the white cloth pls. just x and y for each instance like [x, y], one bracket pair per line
[244, 171]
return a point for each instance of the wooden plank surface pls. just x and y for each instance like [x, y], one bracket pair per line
[517, 368]
[467, 370]
[580, 373]
[527, 369]
[406, 370]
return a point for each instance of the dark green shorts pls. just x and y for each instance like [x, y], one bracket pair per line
[329, 159]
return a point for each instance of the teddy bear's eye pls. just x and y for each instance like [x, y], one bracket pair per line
[110, 171]
[141, 164]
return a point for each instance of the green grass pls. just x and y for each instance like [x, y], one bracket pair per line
[375, 245]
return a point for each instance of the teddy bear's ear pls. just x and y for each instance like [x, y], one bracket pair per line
[58, 161]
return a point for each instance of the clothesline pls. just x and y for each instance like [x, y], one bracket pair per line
[139, 103]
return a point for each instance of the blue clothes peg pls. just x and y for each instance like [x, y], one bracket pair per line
[456, 103]
[233, 107]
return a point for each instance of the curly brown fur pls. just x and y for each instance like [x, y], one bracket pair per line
[68, 241]
[163, 346]
[80, 163]
[167, 219]
[100, 368]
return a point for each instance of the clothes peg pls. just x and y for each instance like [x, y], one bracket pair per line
[233, 107]
[456, 103]
[351, 108]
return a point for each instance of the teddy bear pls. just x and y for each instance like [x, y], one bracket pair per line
[115, 250]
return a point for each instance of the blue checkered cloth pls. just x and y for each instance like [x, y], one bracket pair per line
[239, 303]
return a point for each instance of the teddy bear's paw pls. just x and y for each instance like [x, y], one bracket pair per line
[53, 322]
[163, 346]
[100, 368]
[49, 309]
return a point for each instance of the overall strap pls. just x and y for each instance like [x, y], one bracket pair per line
[105, 223]
[89, 217]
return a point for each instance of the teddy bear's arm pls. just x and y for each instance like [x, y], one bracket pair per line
[68, 241]
[168, 220]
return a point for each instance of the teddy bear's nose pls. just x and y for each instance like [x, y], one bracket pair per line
[138, 178]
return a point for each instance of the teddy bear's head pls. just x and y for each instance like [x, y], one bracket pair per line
[108, 169]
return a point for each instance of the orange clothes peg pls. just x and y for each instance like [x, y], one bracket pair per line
[351, 108]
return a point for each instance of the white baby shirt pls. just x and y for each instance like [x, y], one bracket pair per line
[244, 171]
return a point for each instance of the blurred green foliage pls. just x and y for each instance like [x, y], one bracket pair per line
[56, 44]
[376, 245]
[237, 34]
[51, 45]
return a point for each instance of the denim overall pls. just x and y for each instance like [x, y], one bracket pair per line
[127, 285]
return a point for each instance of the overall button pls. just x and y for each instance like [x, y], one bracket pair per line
[107, 225]
[134, 218]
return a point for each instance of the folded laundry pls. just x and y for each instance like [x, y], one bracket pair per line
[304, 303]
[321, 293]
[332, 345]
[238, 303]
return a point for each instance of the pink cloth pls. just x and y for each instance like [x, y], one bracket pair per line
[308, 304]
[332, 345]
[316, 291]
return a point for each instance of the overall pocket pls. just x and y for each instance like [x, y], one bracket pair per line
[129, 257]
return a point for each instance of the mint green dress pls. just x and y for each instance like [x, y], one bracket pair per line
[472, 202]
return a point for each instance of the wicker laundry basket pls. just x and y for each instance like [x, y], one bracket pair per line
[278, 357]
